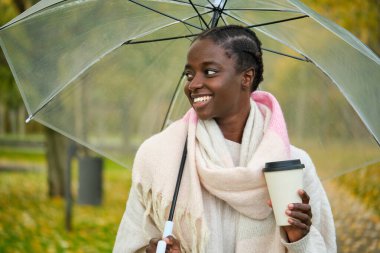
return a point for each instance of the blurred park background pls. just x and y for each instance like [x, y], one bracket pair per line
[33, 161]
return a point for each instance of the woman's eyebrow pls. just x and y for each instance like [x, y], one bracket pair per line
[207, 63]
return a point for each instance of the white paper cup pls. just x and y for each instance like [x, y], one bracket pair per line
[284, 179]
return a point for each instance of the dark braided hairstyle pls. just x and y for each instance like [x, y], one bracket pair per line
[242, 43]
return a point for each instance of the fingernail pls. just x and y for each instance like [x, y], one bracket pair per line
[288, 211]
[290, 206]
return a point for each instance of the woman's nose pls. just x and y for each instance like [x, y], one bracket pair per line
[195, 83]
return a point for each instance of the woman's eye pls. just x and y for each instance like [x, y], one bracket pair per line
[210, 72]
[189, 75]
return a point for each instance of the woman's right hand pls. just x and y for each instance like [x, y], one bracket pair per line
[172, 245]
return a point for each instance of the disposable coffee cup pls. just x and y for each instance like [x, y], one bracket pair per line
[284, 179]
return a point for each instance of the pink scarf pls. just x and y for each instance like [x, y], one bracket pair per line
[264, 140]
[209, 166]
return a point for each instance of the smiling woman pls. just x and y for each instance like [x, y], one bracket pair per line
[215, 88]
[232, 130]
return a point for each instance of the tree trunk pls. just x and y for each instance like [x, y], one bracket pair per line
[56, 144]
[21, 120]
[13, 120]
[56, 156]
[2, 119]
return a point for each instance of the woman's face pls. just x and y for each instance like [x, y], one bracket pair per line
[214, 88]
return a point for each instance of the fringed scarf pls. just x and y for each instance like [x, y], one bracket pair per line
[209, 165]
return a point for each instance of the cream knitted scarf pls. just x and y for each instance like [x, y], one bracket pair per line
[210, 165]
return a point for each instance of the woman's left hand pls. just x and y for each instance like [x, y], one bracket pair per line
[300, 218]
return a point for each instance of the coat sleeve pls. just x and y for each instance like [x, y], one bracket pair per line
[321, 237]
[136, 227]
[133, 235]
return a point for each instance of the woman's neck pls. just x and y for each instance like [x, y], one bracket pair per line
[233, 127]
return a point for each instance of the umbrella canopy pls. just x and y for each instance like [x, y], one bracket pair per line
[108, 74]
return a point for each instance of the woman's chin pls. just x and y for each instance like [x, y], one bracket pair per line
[203, 115]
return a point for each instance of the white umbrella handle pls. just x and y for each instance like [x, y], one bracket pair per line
[161, 246]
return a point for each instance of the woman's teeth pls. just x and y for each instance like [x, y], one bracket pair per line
[202, 99]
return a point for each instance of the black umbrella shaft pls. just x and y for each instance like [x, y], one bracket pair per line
[179, 178]
[215, 18]
[218, 10]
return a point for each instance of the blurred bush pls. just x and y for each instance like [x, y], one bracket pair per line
[365, 184]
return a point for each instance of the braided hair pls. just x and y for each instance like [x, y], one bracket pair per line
[242, 43]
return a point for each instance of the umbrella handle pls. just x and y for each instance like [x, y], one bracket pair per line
[161, 246]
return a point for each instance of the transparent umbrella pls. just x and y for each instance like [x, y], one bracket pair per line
[108, 74]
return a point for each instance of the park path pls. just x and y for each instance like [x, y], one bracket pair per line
[20, 166]
[357, 227]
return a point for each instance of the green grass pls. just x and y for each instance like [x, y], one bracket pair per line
[114, 166]
[31, 222]
[22, 154]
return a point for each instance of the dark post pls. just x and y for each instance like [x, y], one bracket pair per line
[68, 208]
[90, 180]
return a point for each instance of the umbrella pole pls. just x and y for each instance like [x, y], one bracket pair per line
[215, 18]
[161, 246]
[69, 206]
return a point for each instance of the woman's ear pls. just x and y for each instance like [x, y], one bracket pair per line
[247, 78]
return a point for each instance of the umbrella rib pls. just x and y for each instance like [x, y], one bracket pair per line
[200, 16]
[130, 42]
[188, 29]
[261, 9]
[305, 59]
[209, 23]
[269, 23]
[57, 3]
[278, 21]
[224, 5]
[172, 101]
[31, 116]
[224, 21]
[199, 5]
[164, 14]
[167, 38]
[213, 6]
[32, 14]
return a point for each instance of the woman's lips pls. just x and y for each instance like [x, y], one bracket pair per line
[201, 99]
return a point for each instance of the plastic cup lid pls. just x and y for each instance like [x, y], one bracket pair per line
[283, 165]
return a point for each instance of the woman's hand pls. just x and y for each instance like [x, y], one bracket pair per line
[172, 245]
[300, 218]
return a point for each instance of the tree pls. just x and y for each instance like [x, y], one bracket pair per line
[56, 144]
[11, 104]
[362, 18]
